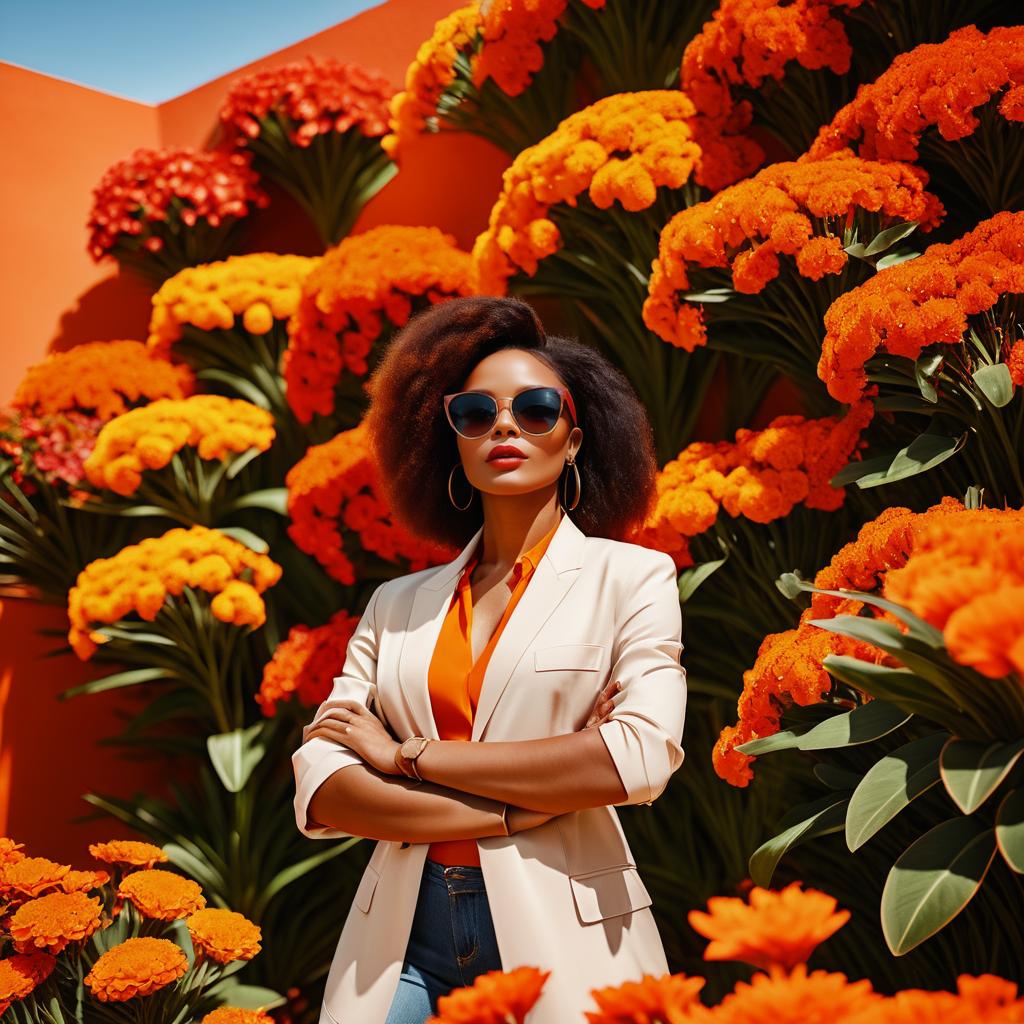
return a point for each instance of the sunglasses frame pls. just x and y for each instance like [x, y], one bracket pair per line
[500, 402]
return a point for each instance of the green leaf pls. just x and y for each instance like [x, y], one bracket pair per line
[926, 367]
[823, 817]
[922, 454]
[239, 463]
[888, 237]
[245, 997]
[711, 295]
[835, 777]
[971, 771]
[895, 257]
[900, 686]
[244, 387]
[995, 383]
[933, 880]
[246, 537]
[117, 681]
[274, 499]
[690, 579]
[1010, 829]
[890, 785]
[235, 754]
[861, 725]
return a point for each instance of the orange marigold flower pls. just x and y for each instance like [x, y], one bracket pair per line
[925, 301]
[131, 853]
[30, 876]
[985, 999]
[761, 475]
[149, 437]
[235, 1015]
[104, 378]
[778, 211]
[136, 967]
[621, 148]
[333, 491]
[306, 663]
[162, 895]
[789, 664]
[84, 881]
[495, 997]
[668, 997]
[53, 921]
[747, 41]
[224, 935]
[937, 85]
[966, 577]
[797, 997]
[21, 973]
[776, 928]
[10, 850]
[310, 97]
[141, 577]
[363, 288]
[256, 289]
[430, 73]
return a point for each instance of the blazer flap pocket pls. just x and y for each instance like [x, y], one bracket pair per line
[364, 894]
[585, 657]
[609, 892]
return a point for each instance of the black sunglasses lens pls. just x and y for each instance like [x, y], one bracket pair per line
[536, 411]
[473, 414]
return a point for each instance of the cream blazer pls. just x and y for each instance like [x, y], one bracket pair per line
[565, 896]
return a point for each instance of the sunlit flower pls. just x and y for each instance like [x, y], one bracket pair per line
[53, 921]
[494, 997]
[223, 935]
[131, 853]
[136, 967]
[162, 895]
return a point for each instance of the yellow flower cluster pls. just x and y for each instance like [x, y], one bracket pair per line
[623, 147]
[140, 578]
[260, 287]
[149, 437]
[430, 73]
[103, 378]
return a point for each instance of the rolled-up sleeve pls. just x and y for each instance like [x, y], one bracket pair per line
[319, 758]
[644, 731]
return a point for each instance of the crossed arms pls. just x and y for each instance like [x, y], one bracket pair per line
[627, 759]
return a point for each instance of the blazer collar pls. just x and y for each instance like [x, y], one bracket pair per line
[555, 574]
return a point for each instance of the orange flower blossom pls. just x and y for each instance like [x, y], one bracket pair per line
[136, 967]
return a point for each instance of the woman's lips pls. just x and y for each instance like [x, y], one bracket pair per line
[506, 461]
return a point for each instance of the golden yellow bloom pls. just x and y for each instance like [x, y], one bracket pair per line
[224, 935]
[141, 577]
[136, 967]
[234, 1015]
[103, 378]
[129, 852]
[259, 287]
[52, 921]
[162, 895]
[148, 438]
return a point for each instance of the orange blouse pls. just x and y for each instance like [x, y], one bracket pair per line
[454, 680]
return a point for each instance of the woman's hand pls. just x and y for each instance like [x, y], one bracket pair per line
[359, 728]
[603, 705]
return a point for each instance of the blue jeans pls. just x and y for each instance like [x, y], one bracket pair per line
[451, 942]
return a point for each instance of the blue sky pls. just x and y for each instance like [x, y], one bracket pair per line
[151, 51]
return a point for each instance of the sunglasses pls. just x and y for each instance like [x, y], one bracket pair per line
[535, 410]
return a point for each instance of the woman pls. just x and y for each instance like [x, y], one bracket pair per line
[506, 852]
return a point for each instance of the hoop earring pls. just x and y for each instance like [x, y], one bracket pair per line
[472, 490]
[579, 489]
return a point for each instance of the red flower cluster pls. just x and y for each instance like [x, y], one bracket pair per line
[312, 97]
[152, 185]
[51, 447]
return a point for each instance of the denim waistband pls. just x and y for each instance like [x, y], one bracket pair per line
[455, 877]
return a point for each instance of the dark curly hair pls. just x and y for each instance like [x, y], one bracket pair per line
[415, 448]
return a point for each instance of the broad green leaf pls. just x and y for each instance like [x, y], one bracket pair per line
[117, 681]
[245, 997]
[235, 754]
[1010, 829]
[895, 257]
[835, 777]
[244, 387]
[823, 817]
[274, 499]
[972, 771]
[890, 785]
[933, 880]
[888, 237]
[923, 453]
[690, 579]
[900, 686]
[861, 725]
[241, 461]
[995, 383]
[246, 537]
[925, 368]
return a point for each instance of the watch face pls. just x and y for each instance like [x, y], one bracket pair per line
[410, 747]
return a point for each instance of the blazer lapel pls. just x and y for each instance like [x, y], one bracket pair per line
[554, 576]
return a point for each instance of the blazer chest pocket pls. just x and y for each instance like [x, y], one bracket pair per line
[364, 893]
[571, 657]
[609, 892]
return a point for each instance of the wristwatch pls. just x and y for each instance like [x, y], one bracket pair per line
[406, 754]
